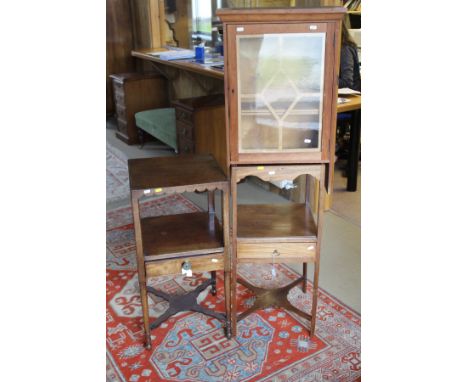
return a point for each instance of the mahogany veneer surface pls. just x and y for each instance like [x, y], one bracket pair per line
[179, 234]
[183, 170]
[273, 222]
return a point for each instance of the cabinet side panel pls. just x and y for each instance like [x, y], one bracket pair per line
[231, 92]
[210, 135]
[336, 26]
[329, 95]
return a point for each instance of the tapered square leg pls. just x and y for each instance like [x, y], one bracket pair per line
[145, 309]
[227, 297]
[304, 275]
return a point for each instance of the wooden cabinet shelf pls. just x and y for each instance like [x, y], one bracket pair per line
[290, 222]
[172, 236]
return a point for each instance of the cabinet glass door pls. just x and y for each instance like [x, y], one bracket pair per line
[280, 92]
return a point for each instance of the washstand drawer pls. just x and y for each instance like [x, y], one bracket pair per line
[282, 252]
[213, 262]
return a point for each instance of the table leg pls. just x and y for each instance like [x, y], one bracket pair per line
[353, 156]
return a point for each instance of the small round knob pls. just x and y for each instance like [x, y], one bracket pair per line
[275, 253]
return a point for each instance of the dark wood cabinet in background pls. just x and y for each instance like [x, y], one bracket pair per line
[200, 124]
[134, 92]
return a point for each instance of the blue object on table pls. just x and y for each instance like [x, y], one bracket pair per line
[200, 53]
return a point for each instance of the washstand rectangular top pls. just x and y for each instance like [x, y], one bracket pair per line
[174, 171]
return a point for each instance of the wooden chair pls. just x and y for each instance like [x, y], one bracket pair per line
[190, 242]
[279, 233]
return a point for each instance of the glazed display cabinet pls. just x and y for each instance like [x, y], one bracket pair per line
[281, 83]
[281, 72]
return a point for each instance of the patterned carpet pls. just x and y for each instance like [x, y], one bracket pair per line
[270, 346]
[117, 187]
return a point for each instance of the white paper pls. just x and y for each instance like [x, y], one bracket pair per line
[347, 91]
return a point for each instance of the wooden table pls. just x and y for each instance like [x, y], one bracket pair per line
[188, 65]
[354, 108]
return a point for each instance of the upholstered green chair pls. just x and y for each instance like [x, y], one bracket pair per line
[159, 123]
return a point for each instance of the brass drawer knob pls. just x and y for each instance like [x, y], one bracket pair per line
[275, 253]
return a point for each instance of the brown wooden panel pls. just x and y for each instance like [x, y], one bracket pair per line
[333, 106]
[142, 23]
[165, 172]
[201, 119]
[280, 14]
[230, 90]
[280, 252]
[184, 65]
[270, 173]
[182, 26]
[181, 235]
[210, 134]
[290, 222]
[209, 263]
[119, 44]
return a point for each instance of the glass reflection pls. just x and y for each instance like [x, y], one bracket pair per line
[280, 91]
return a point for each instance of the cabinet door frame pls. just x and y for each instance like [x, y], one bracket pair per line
[328, 106]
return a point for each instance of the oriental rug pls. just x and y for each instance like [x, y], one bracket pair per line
[271, 345]
[117, 187]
